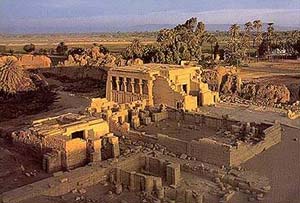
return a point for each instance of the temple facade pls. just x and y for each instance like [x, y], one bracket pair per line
[177, 86]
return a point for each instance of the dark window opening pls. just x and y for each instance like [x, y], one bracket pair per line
[179, 105]
[78, 134]
[114, 83]
[184, 87]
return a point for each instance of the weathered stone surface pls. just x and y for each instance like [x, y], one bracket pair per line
[266, 93]
[29, 61]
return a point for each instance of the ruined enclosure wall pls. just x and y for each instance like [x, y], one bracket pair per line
[96, 73]
[201, 120]
[173, 144]
[211, 152]
[204, 150]
[246, 151]
[63, 183]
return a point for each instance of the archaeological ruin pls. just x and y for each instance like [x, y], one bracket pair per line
[147, 136]
[175, 86]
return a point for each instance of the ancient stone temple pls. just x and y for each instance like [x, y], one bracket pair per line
[177, 86]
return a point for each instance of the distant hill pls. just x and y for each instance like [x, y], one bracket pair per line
[128, 28]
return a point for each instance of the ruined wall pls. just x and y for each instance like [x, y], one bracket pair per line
[63, 183]
[246, 151]
[92, 129]
[202, 120]
[175, 145]
[52, 162]
[75, 153]
[164, 94]
[34, 145]
[209, 151]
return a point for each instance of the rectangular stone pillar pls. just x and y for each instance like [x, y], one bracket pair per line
[132, 181]
[173, 174]
[114, 141]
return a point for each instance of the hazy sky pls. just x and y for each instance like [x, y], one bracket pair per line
[21, 16]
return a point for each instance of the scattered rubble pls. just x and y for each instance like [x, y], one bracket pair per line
[91, 57]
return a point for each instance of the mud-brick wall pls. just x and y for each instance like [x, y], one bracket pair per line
[246, 151]
[97, 73]
[209, 151]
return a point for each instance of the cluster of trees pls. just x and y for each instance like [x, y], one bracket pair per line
[184, 42]
[61, 49]
[242, 42]
[252, 40]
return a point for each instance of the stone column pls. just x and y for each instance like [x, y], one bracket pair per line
[132, 84]
[118, 175]
[150, 91]
[141, 86]
[118, 83]
[125, 84]
[109, 88]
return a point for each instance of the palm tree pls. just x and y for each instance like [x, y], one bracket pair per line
[234, 33]
[270, 35]
[212, 39]
[247, 37]
[257, 25]
[134, 50]
[12, 78]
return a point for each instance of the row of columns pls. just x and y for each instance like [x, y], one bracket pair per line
[119, 81]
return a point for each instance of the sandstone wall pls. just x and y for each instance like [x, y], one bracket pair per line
[246, 151]
[209, 151]
[202, 120]
[75, 153]
[164, 94]
[63, 183]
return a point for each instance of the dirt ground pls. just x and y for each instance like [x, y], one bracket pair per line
[280, 72]
[268, 69]
[171, 128]
[281, 165]
[17, 169]
[98, 194]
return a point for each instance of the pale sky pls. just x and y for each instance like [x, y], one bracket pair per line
[33, 16]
